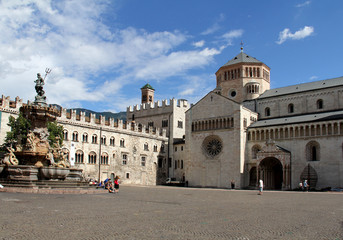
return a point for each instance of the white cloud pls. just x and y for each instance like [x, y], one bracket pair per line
[199, 43]
[313, 77]
[215, 27]
[70, 38]
[302, 33]
[303, 4]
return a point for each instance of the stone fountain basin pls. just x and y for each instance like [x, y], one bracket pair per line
[54, 172]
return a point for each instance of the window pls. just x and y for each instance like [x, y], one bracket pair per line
[175, 164]
[146, 147]
[155, 148]
[103, 140]
[144, 98]
[65, 135]
[255, 149]
[78, 156]
[320, 104]
[181, 164]
[313, 151]
[175, 149]
[181, 148]
[104, 159]
[75, 136]
[162, 148]
[179, 124]
[143, 161]
[94, 138]
[245, 123]
[291, 108]
[122, 143]
[112, 141]
[150, 124]
[267, 111]
[85, 137]
[127, 175]
[124, 159]
[160, 162]
[164, 123]
[92, 158]
[150, 98]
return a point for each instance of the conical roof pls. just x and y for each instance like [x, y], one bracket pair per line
[242, 58]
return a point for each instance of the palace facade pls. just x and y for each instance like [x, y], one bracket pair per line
[241, 131]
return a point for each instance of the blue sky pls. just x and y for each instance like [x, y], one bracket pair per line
[101, 52]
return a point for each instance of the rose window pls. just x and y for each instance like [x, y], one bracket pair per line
[212, 146]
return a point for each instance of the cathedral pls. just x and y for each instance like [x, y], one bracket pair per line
[240, 132]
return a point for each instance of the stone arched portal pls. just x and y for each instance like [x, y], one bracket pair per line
[271, 172]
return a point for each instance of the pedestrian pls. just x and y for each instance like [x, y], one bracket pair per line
[110, 187]
[116, 184]
[232, 184]
[301, 186]
[260, 187]
[306, 186]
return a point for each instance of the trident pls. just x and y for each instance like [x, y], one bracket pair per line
[47, 71]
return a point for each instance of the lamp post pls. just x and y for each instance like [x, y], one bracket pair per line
[100, 153]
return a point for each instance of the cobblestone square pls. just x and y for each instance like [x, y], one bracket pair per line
[172, 213]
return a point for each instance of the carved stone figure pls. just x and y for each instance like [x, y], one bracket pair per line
[10, 158]
[30, 144]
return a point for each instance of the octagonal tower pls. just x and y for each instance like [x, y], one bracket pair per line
[243, 78]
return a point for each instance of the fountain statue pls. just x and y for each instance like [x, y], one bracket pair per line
[35, 157]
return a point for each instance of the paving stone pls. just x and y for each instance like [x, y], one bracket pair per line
[171, 213]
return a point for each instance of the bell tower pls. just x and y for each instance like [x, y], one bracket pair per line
[243, 78]
[147, 93]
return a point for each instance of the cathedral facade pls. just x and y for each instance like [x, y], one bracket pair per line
[242, 131]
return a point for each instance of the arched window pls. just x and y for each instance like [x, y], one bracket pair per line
[75, 136]
[104, 159]
[146, 147]
[112, 141]
[78, 156]
[313, 151]
[291, 108]
[255, 149]
[103, 140]
[94, 138]
[85, 137]
[162, 148]
[267, 111]
[65, 134]
[122, 142]
[320, 104]
[92, 158]
[155, 148]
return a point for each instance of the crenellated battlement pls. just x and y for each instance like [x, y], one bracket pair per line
[82, 119]
[163, 105]
[7, 103]
[116, 125]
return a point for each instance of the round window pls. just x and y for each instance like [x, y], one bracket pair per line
[233, 93]
[212, 146]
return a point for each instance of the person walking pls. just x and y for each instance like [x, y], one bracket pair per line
[260, 187]
[116, 184]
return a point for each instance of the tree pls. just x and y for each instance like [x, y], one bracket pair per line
[55, 132]
[20, 127]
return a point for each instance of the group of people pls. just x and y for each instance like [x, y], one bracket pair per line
[113, 187]
[304, 186]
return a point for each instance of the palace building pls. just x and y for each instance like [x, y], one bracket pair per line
[242, 131]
